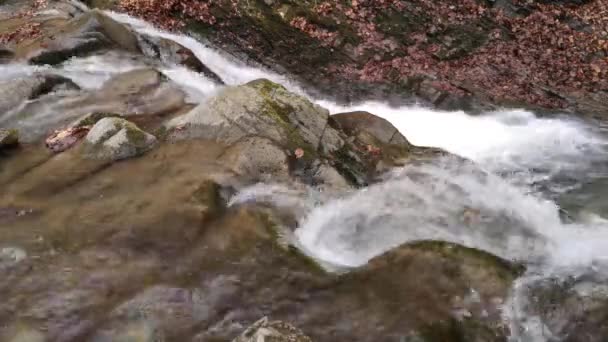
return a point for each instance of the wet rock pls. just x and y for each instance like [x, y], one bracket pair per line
[137, 92]
[115, 139]
[208, 200]
[276, 331]
[257, 158]
[141, 91]
[170, 53]
[392, 283]
[14, 92]
[328, 179]
[8, 138]
[291, 127]
[375, 147]
[355, 123]
[6, 55]
[259, 108]
[64, 139]
[91, 32]
[570, 308]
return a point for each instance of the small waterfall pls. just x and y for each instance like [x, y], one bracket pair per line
[525, 164]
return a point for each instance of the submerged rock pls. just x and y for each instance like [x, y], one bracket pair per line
[115, 139]
[136, 92]
[276, 331]
[568, 308]
[16, 91]
[257, 158]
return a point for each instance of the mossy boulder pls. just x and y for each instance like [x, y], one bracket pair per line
[8, 138]
[259, 108]
[114, 139]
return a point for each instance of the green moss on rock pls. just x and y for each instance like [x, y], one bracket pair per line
[506, 269]
[8, 138]
[91, 119]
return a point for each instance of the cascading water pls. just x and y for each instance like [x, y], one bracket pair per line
[526, 167]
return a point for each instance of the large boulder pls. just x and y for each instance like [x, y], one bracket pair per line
[114, 139]
[350, 148]
[259, 108]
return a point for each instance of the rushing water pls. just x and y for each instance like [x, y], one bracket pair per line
[527, 167]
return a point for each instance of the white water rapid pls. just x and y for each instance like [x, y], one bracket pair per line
[529, 167]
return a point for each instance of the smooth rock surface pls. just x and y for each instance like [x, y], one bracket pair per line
[115, 139]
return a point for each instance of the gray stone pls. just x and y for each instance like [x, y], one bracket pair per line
[258, 158]
[15, 92]
[259, 108]
[114, 139]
